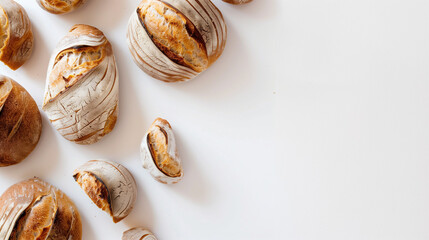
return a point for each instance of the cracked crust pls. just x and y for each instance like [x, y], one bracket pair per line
[16, 36]
[21, 122]
[60, 6]
[34, 209]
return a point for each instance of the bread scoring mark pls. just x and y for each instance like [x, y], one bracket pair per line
[157, 139]
[37, 220]
[71, 65]
[173, 34]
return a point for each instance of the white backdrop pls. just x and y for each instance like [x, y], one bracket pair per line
[313, 124]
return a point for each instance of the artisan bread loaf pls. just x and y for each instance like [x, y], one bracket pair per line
[174, 40]
[34, 209]
[82, 89]
[16, 36]
[20, 122]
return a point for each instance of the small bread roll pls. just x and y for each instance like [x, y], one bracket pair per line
[34, 209]
[159, 154]
[236, 2]
[82, 89]
[60, 6]
[138, 234]
[20, 122]
[175, 40]
[16, 37]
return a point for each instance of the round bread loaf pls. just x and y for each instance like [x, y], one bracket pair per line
[34, 209]
[175, 40]
[20, 122]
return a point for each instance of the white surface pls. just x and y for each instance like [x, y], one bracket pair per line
[313, 124]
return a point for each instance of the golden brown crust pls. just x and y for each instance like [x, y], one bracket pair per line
[96, 190]
[60, 6]
[21, 124]
[48, 214]
[37, 220]
[74, 63]
[158, 146]
[16, 37]
[174, 34]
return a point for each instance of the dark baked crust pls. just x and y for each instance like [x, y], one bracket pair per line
[21, 125]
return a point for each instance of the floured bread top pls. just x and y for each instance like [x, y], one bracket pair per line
[5, 89]
[158, 146]
[73, 63]
[174, 34]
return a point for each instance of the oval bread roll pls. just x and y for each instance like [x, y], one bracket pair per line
[20, 122]
[82, 89]
[175, 40]
[60, 6]
[159, 154]
[16, 36]
[34, 209]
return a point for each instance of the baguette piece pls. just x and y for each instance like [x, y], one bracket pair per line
[16, 36]
[20, 122]
[34, 209]
[175, 40]
[60, 6]
[82, 88]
